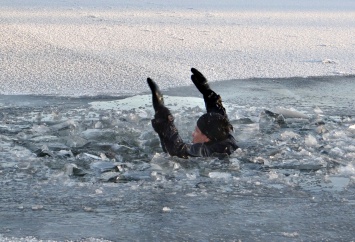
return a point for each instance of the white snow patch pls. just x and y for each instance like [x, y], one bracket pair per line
[289, 135]
[290, 235]
[166, 209]
[310, 141]
[289, 113]
[347, 170]
[219, 175]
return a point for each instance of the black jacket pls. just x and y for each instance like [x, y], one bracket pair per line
[171, 142]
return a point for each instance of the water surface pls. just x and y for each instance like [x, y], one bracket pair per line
[91, 168]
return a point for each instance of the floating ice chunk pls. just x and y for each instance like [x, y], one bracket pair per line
[88, 209]
[158, 160]
[273, 175]
[166, 209]
[304, 152]
[133, 117]
[98, 125]
[337, 152]
[290, 235]
[269, 122]
[44, 138]
[288, 113]
[157, 176]
[192, 194]
[103, 166]
[260, 160]
[24, 165]
[351, 148]
[219, 175]
[112, 177]
[98, 134]
[156, 167]
[103, 156]
[22, 136]
[338, 182]
[65, 153]
[92, 156]
[8, 164]
[98, 191]
[191, 176]
[352, 127]
[43, 152]
[347, 170]
[75, 141]
[289, 135]
[176, 166]
[234, 164]
[37, 207]
[69, 169]
[65, 125]
[142, 114]
[56, 115]
[136, 176]
[317, 110]
[310, 141]
[40, 129]
[334, 134]
[321, 129]
[350, 156]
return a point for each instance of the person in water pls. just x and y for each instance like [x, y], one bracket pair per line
[212, 135]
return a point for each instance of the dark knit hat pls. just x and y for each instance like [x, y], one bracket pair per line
[215, 126]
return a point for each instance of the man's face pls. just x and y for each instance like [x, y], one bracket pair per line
[198, 136]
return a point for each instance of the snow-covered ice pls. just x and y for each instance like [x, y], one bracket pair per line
[111, 47]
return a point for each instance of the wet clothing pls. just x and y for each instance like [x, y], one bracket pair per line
[171, 142]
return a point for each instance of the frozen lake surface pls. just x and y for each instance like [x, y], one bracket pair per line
[80, 161]
[110, 47]
[91, 168]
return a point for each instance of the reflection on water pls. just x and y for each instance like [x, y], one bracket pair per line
[95, 171]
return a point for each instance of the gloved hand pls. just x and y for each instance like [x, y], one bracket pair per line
[157, 96]
[213, 101]
[162, 113]
[200, 82]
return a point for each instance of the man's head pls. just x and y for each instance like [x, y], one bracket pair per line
[198, 136]
[211, 127]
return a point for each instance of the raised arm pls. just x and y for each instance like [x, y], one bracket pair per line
[213, 101]
[163, 124]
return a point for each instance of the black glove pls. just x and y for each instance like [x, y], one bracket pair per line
[157, 97]
[200, 82]
[213, 101]
[162, 113]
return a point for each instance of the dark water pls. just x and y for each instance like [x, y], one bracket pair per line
[91, 169]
